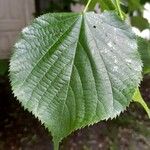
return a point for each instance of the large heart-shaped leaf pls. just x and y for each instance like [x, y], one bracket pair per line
[72, 70]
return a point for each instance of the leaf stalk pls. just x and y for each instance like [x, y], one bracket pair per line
[87, 5]
[138, 98]
[56, 145]
[117, 2]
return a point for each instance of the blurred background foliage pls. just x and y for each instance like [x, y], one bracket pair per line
[134, 10]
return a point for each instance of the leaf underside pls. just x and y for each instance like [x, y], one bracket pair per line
[73, 70]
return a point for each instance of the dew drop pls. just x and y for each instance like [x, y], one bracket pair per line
[115, 29]
[110, 44]
[25, 30]
[104, 51]
[128, 60]
[115, 69]
[137, 68]
[40, 20]
[116, 61]
[133, 46]
[17, 45]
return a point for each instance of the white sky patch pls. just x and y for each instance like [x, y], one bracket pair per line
[146, 14]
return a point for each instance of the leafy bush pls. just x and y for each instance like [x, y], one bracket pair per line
[75, 69]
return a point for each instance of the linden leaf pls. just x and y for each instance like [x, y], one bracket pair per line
[73, 70]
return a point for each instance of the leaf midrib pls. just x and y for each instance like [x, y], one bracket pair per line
[73, 65]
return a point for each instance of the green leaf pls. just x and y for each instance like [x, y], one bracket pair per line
[104, 4]
[92, 5]
[124, 3]
[133, 5]
[3, 67]
[144, 50]
[138, 98]
[140, 22]
[143, 1]
[73, 70]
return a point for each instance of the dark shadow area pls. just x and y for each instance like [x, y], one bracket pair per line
[46, 6]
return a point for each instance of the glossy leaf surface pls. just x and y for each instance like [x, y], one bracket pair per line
[73, 70]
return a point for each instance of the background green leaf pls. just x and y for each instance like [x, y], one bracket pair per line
[73, 70]
[104, 4]
[139, 22]
[133, 5]
[144, 50]
[3, 67]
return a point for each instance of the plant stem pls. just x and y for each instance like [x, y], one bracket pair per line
[138, 98]
[87, 5]
[56, 145]
[119, 9]
[142, 102]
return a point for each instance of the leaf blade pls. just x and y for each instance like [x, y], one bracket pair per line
[67, 73]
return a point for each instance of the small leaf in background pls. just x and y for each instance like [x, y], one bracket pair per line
[144, 50]
[124, 3]
[107, 5]
[104, 5]
[92, 5]
[3, 67]
[133, 5]
[72, 70]
[143, 1]
[139, 22]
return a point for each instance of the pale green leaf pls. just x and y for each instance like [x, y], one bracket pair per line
[73, 70]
